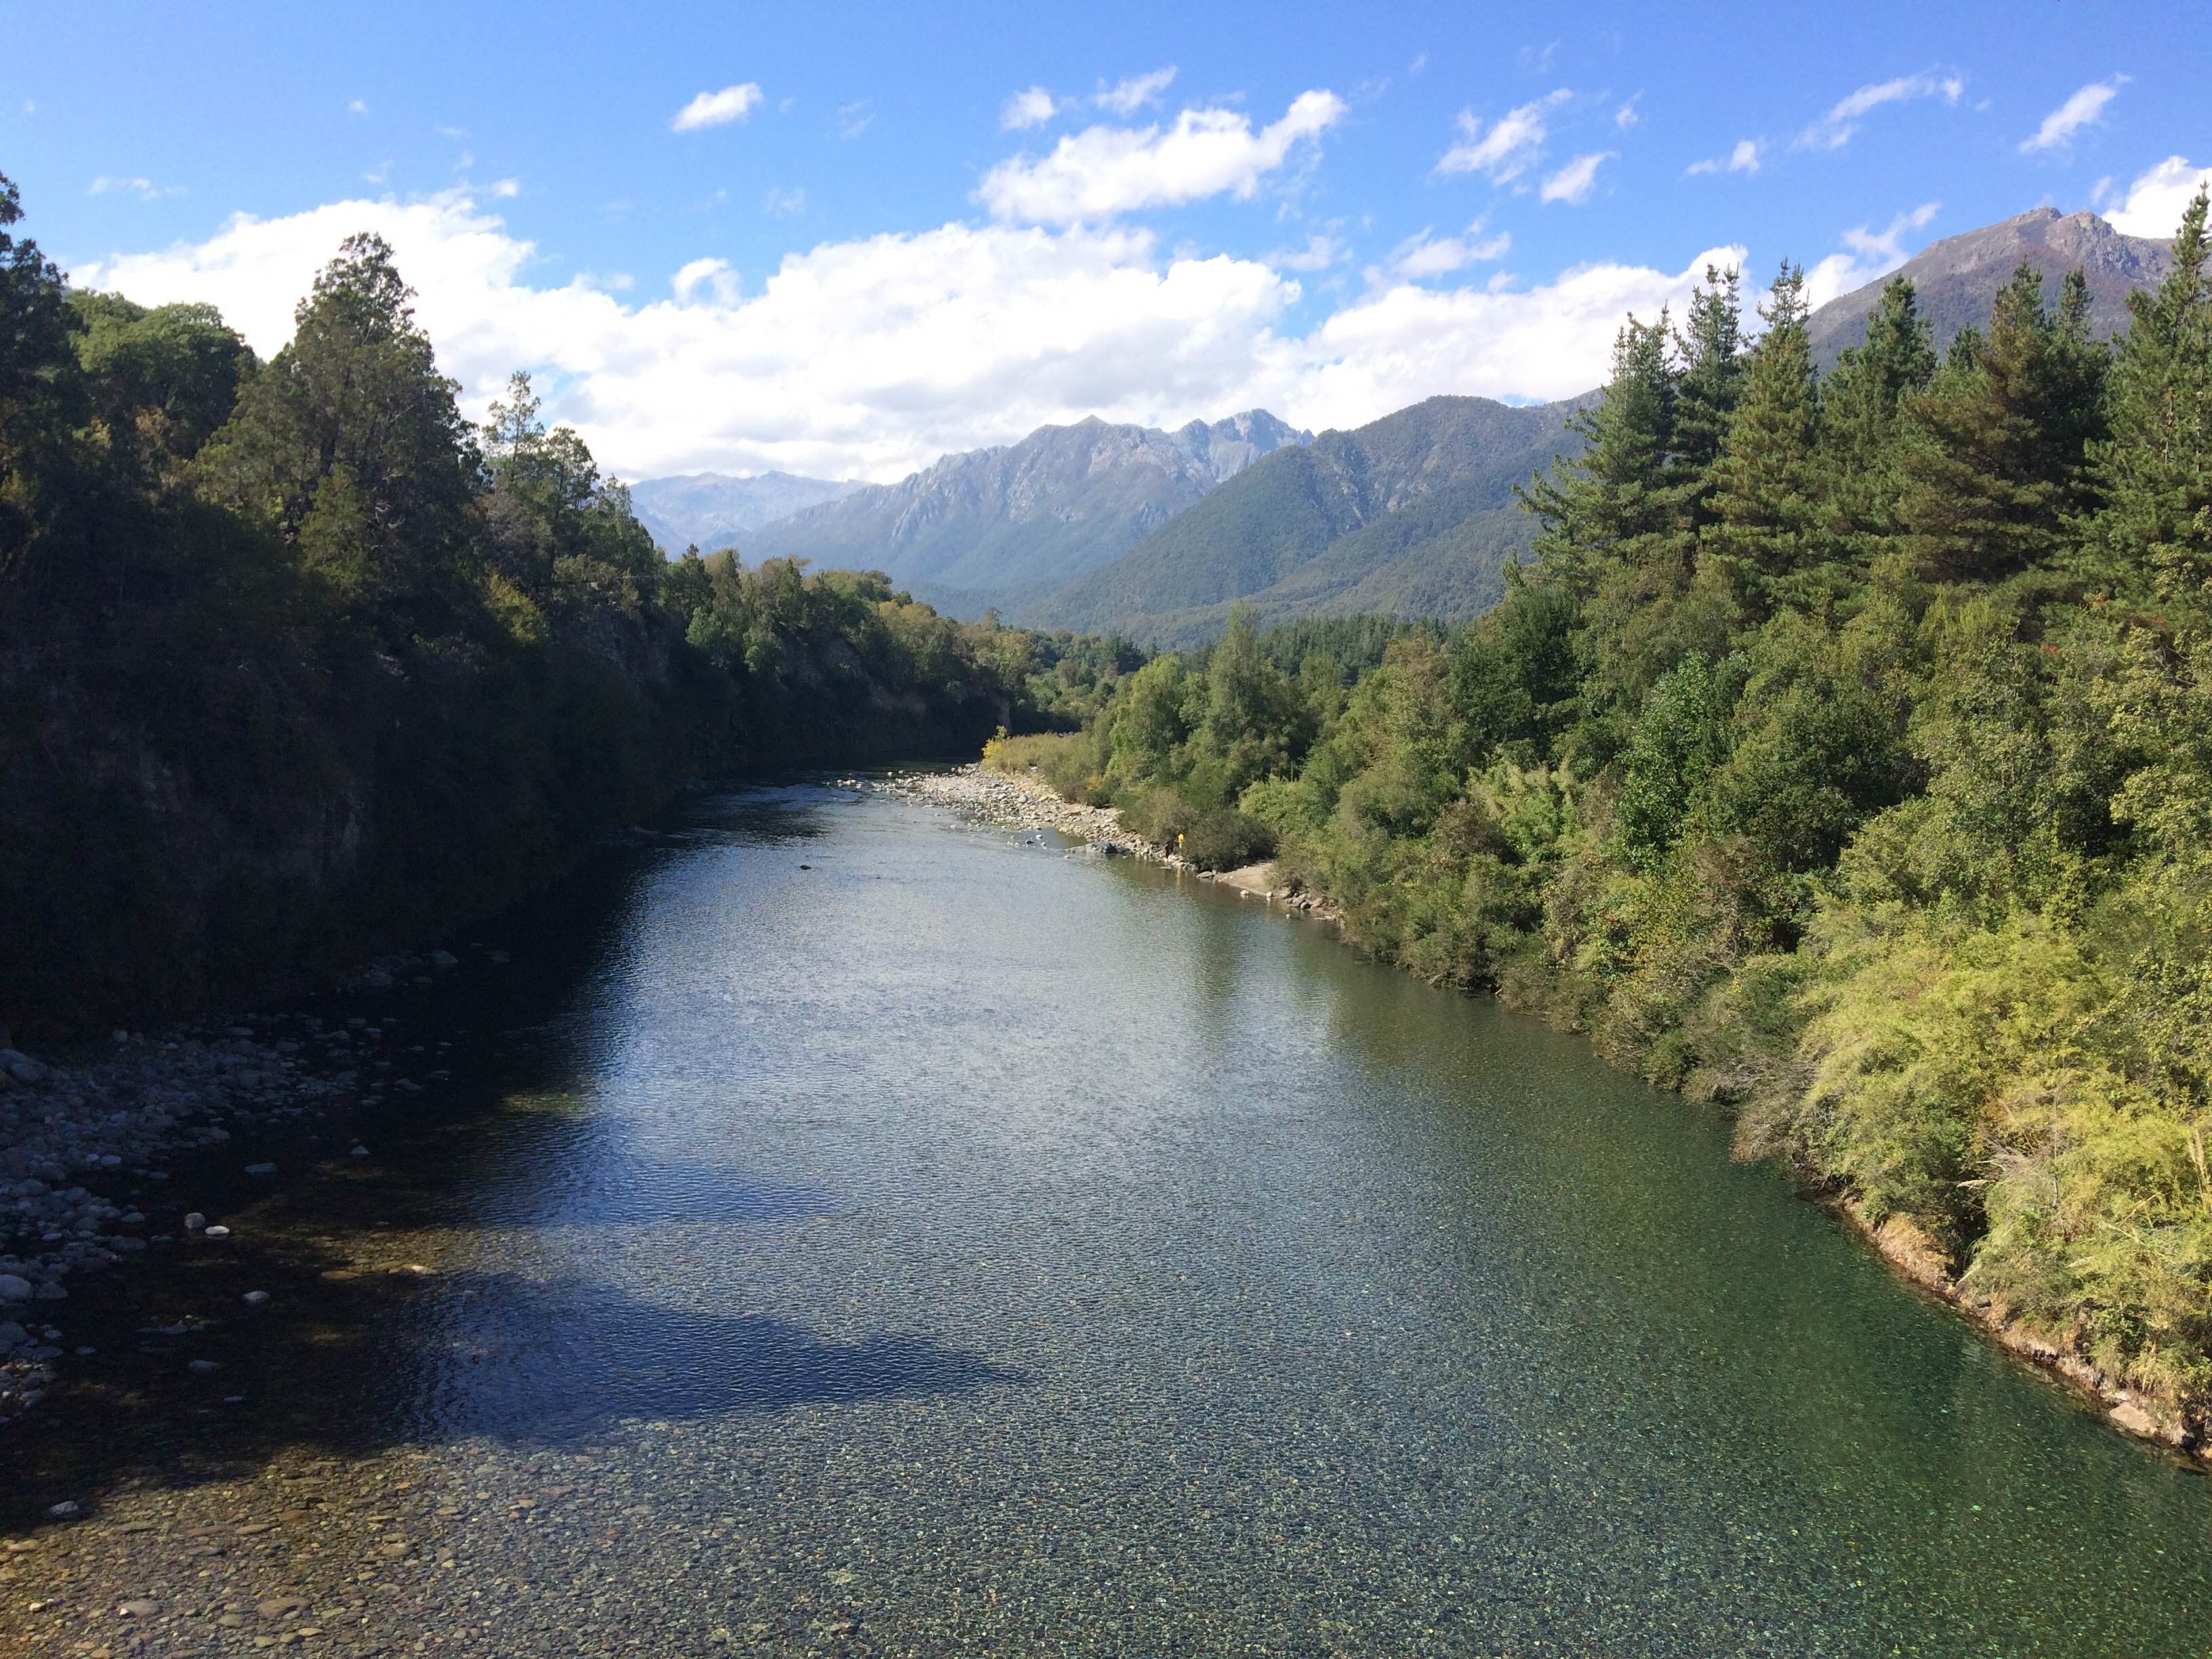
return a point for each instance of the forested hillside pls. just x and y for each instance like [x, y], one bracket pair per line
[294, 663]
[1845, 759]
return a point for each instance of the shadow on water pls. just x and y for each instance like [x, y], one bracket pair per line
[357, 1349]
[351, 1363]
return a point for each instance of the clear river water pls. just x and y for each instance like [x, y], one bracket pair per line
[850, 1230]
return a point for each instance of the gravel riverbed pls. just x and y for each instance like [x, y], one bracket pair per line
[88, 1139]
[1027, 802]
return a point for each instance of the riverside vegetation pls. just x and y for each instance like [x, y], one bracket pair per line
[295, 663]
[1845, 759]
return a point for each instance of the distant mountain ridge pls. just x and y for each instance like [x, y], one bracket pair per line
[1103, 526]
[990, 525]
[709, 510]
[1412, 515]
[1957, 279]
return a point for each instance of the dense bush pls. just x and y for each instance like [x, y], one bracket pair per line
[296, 663]
[1845, 759]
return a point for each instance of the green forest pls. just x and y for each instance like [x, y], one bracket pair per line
[296, 663]
[1844, 758]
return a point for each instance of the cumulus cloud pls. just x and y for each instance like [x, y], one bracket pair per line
[869, 358]
[1427, 254]
[1101, 171]
[1574, 183]
[714, 109]
[1872, 254]
[1508, 147]
[1032, 108]
[712, 274]
[1628, 115]
[1841, 124]
[507, 188]
[2154, 203]
[1744, 158]
[1127, 97]
[2083, 109]
[784, 203]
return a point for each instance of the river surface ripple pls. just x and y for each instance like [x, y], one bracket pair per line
[876, 1234]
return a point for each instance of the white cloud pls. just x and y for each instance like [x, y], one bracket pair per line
[855, 118]
[1127, 97]
[144, 189]
[2083, 109]
[784, 203]
[1408, 342]
[715, 274]
[714, 109]
[1322, 249]
[1100, 171]
[2154, 203]
[869, 358]
[1628, 115]
[359, 106]
[1032, 108]
[1429, 255]
[1420, 62]
[1873, 255]
[1835, 128]
[1574, 183]
[1508, 147]
[506, 189]
[1744, 158]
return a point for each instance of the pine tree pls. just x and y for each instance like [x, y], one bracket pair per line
[1766, 482]
[1861, 402]
[1709, 383]
[1609, 505]
[1993, 460]
[2153, 534]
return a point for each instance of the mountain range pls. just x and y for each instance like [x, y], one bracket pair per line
[1957, 279]
[994, 526]
[1099, 527]
[708, 510]
[1411, 516]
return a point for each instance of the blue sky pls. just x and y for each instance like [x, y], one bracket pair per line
[855, 254]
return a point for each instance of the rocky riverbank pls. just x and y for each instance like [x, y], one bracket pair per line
[88, 1140]
[1026, 802]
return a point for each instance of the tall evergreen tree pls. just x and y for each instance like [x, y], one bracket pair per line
[2153, 531]
[1609, 504]
[351, 443]
[1861, 402]
[1709, 385]
[1766, 482]
[1994, 459]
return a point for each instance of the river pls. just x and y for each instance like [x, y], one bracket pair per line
[853, 1230]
